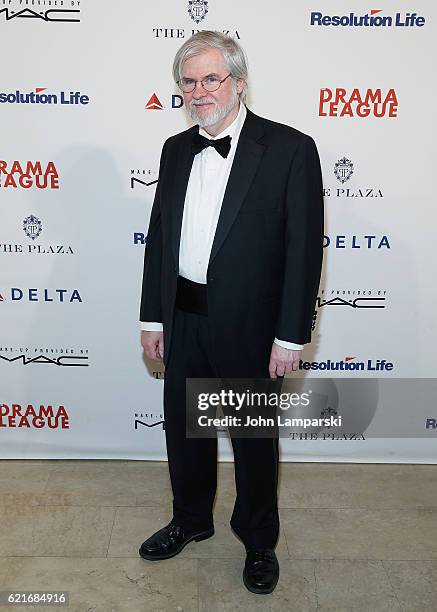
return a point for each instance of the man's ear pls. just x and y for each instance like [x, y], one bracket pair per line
[240, 83]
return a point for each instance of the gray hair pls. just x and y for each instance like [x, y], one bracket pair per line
[233, 54]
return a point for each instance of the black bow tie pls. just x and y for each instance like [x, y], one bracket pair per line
[221, 145]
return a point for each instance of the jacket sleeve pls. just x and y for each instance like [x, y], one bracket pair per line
[303, 244]
[150, 307]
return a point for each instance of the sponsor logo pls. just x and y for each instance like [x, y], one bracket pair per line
[367, 241]
[368, 20]
[72, 98]
[431, 423]
[348, 364]
[26, 175]
[62, 357]
[140, 238]
[15, 416]
[197, 10]
[343, 171]
[339, 102]
[33, 227]
[147, 178]
[154, 103]
[48, 11]
[350, 299]
[62, 296]
[149, 419]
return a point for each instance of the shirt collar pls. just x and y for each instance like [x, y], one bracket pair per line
[233, 130]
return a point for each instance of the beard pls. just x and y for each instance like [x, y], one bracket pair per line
[220, 111]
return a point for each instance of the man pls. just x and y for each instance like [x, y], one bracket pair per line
[231, 272]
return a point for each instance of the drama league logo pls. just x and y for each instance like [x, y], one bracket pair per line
[44, 416]
[16, 11]
[32, 226]
[73, 98]
[26, 175]
[197, 9]
[339, 102]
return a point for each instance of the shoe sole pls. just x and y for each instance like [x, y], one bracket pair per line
[198, 537]
[260, 591]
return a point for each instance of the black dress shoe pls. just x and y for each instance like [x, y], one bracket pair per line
[261, 571]
[169, 541]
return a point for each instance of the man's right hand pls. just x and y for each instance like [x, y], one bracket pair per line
[153, 344]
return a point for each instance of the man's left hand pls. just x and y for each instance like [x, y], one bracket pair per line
[283, 361]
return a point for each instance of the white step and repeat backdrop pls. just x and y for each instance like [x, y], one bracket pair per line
[86, 101]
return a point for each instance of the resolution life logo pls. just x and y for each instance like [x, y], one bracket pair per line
[348, 364]
[28, 174]
[399, 20]
[72, 98]
[339, 102]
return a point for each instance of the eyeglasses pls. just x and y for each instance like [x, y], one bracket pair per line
[210, 83]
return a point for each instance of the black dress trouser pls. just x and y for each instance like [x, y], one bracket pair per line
[193, 461]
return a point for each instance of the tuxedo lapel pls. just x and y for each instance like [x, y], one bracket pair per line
[181, 176]
[246, 160]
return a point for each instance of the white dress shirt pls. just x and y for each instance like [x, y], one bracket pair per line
[203, 200]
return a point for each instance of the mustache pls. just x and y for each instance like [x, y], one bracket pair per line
[199, 102]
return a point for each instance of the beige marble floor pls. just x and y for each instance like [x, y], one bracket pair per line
[354, 537]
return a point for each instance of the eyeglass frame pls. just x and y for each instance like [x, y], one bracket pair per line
[201, 82]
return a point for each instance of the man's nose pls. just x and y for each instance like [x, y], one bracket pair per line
[198, 91]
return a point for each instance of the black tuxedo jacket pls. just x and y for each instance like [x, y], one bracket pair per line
[265, 263]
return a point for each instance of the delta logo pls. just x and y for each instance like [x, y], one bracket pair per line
[61, 296]
[348, 364]
[72, 98]
[28, 174]
[154, 103]
[369, 20]
[340, 102]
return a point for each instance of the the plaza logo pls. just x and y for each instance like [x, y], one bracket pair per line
[368, 20]
[154, 103]
[339, 102]
[28, 174]
[197, 9]
[143, 178]
[52, 12]
[33, 227]
[343, 171]
[31, 355]
[365, 241]
[28, 416]
[72, 98]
